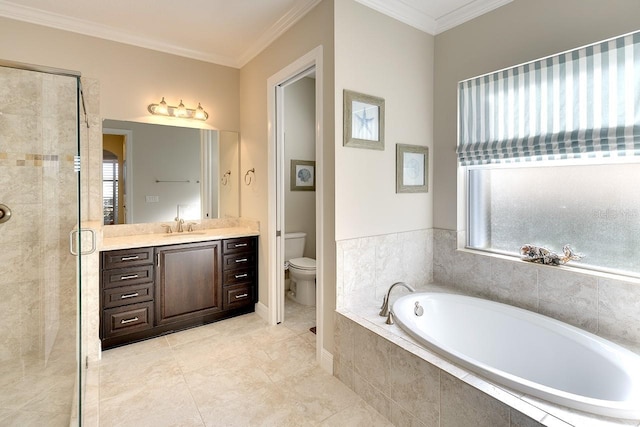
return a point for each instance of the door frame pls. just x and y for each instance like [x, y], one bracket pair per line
[275, 235]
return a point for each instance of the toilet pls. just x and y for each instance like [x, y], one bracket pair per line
[302, 270]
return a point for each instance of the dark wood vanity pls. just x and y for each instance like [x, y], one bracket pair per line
[146, 292]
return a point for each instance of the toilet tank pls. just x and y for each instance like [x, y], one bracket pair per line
[294, 245]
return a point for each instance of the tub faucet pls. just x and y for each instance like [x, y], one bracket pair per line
[385, 310]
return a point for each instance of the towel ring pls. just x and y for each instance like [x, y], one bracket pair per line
[225, 177]
[251, 171]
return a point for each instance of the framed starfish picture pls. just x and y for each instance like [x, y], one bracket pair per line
[363, 121]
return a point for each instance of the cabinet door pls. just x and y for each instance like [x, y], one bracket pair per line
[188, 282]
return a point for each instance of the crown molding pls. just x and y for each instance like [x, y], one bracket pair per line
[467, 13]
[422, 21]
[66, 23]
[403, 13]
[300, 9]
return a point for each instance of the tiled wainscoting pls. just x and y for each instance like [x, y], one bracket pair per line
[598, 303]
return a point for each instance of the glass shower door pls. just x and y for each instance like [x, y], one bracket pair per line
[39, 281]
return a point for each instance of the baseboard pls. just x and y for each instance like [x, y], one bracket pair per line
[262, 311]
[326, 361]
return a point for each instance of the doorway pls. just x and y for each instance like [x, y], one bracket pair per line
[306, 71]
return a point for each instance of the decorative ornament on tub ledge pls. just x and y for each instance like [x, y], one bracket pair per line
[542, 255]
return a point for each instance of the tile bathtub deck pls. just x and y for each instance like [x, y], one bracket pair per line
[237, 372]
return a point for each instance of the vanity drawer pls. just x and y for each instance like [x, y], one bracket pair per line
[127, 258]
[127, 276]
[128, 319]
[236, 261]
[238, 296]
[232, 277]
[242, 244]
[116, 297]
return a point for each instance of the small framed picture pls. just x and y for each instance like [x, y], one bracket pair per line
[412, 168]
[303, 175]
[363, 121]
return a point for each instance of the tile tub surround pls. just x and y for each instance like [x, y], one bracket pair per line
[411, 385]
[366, 267]
[602, 304]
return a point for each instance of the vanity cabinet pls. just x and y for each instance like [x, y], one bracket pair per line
[239, 272]
[188, 281]
[126, 293]
[146, 292]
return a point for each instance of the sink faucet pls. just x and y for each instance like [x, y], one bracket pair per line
[179, 222]
[385, 310]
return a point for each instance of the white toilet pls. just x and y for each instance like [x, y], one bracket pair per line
[302, 270]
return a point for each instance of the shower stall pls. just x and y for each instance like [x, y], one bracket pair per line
[41, 351]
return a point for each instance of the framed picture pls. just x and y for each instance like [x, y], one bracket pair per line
[412, 168]
[303, 175]
[363, 121]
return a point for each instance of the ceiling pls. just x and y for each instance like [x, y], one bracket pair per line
[227, 32]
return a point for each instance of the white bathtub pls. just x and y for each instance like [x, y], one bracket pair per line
[527, 352]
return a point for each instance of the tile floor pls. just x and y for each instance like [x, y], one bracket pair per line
[237, 372]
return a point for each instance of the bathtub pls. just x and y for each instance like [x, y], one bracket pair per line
[525, 351]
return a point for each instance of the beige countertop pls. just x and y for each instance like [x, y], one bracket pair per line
[146, 240]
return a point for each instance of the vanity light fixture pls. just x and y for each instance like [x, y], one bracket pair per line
[162, 109]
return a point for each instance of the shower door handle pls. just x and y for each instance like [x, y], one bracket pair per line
[73, 238]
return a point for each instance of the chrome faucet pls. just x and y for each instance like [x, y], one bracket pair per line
[179, 222]
[385, 310]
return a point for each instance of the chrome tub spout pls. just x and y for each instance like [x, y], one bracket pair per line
[385, 310]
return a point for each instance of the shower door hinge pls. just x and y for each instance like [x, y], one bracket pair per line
[76, 163]
[278, 233]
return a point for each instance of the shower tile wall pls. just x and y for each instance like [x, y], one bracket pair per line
[37, 273]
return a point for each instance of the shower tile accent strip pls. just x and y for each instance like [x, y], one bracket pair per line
[29, 159]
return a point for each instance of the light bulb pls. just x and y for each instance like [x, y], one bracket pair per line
[181, 111]
[162, 108]
[200, 114]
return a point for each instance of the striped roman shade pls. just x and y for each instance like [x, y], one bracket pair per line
[581, 103]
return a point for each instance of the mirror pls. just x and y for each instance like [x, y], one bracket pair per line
[152, 172]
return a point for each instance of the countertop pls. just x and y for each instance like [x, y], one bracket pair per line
[146, 240]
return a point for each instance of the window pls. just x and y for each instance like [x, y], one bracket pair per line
[594, 208]
[110, 191]
[552, 155]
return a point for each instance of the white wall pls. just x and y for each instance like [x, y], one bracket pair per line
[521, 31]
[315, 29]
[300, 144]
[380, 56]
[130, 77]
